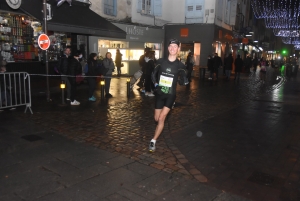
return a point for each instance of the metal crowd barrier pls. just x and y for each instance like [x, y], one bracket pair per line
[15, 90]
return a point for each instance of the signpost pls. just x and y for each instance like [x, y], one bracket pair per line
[45, 44]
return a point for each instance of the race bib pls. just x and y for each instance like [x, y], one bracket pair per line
[165, 81]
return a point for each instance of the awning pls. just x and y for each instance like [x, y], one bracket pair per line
[77, 18]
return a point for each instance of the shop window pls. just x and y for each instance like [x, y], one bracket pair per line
[150, 7]
[110, 7]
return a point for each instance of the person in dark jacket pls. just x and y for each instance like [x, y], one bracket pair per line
[189, 65]
[118, 62]
[93, 72]
[209, 65]
[217, 63]
[5, 88]
[228, 65]
[148, 72]
[63, 68]
[74, 68]
[248, 63]
[143, 64]
[238, 67]
[255, 63]
[109, 65]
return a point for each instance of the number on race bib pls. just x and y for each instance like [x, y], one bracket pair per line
[165, 81]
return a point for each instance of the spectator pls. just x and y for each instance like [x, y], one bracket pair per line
[263, 69]
[209, 65]
[109, 65]
[228, 61]
[74, 68]
[143, 66]
[217, 63]
[238, 67]
[149, 58]
[255, 63]
[5, 88]
[63, 68]
[248, 63]
[118, 62]
[92, 72]
[189, 65]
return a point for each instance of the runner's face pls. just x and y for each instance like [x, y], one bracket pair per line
[173, 49]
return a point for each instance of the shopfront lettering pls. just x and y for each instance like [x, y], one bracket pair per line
[134, 31]
[91, 31]
[133, 38]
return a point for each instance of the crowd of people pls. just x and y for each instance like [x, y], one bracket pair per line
[69, 66]
[240, 65]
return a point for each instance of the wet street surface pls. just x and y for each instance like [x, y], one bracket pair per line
[248, 144]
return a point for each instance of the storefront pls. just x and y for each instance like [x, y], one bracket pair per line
[66, 28]
[137, 38]
[201, 39]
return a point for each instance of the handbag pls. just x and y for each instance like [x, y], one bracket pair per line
[122, 65]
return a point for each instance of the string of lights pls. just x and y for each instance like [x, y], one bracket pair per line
[286, 33]
[291, 41]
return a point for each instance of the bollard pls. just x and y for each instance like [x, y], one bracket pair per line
[62, 86]
[128, 87]
[102, 85]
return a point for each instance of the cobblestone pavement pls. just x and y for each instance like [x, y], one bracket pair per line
[126, 125]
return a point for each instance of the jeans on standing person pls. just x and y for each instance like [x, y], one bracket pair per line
[68, 85]
[5, 98]
[107, 83]
[119, 71]
[228, 73]
[214, 70]
[92, 86]
[73, 91]
[148, 83]
[237, 75]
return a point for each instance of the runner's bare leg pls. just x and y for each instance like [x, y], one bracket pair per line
[160, 116]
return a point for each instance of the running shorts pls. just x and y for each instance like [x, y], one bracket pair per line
[162, 100]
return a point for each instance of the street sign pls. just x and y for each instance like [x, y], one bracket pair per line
[44, 42]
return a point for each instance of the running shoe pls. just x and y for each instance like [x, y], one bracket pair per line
[151, 147]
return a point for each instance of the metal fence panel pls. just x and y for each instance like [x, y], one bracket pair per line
[15, 90]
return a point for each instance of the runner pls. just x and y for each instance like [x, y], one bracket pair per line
[165, 76]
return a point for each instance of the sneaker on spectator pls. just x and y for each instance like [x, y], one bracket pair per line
[149, 94]
[12, 108]
[75, 102]
[92, 98]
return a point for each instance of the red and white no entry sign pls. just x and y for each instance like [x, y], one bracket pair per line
[44, 42]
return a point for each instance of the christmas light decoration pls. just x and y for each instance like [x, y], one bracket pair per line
[291, 41]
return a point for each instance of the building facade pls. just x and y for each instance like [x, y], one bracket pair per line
[203, 26]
